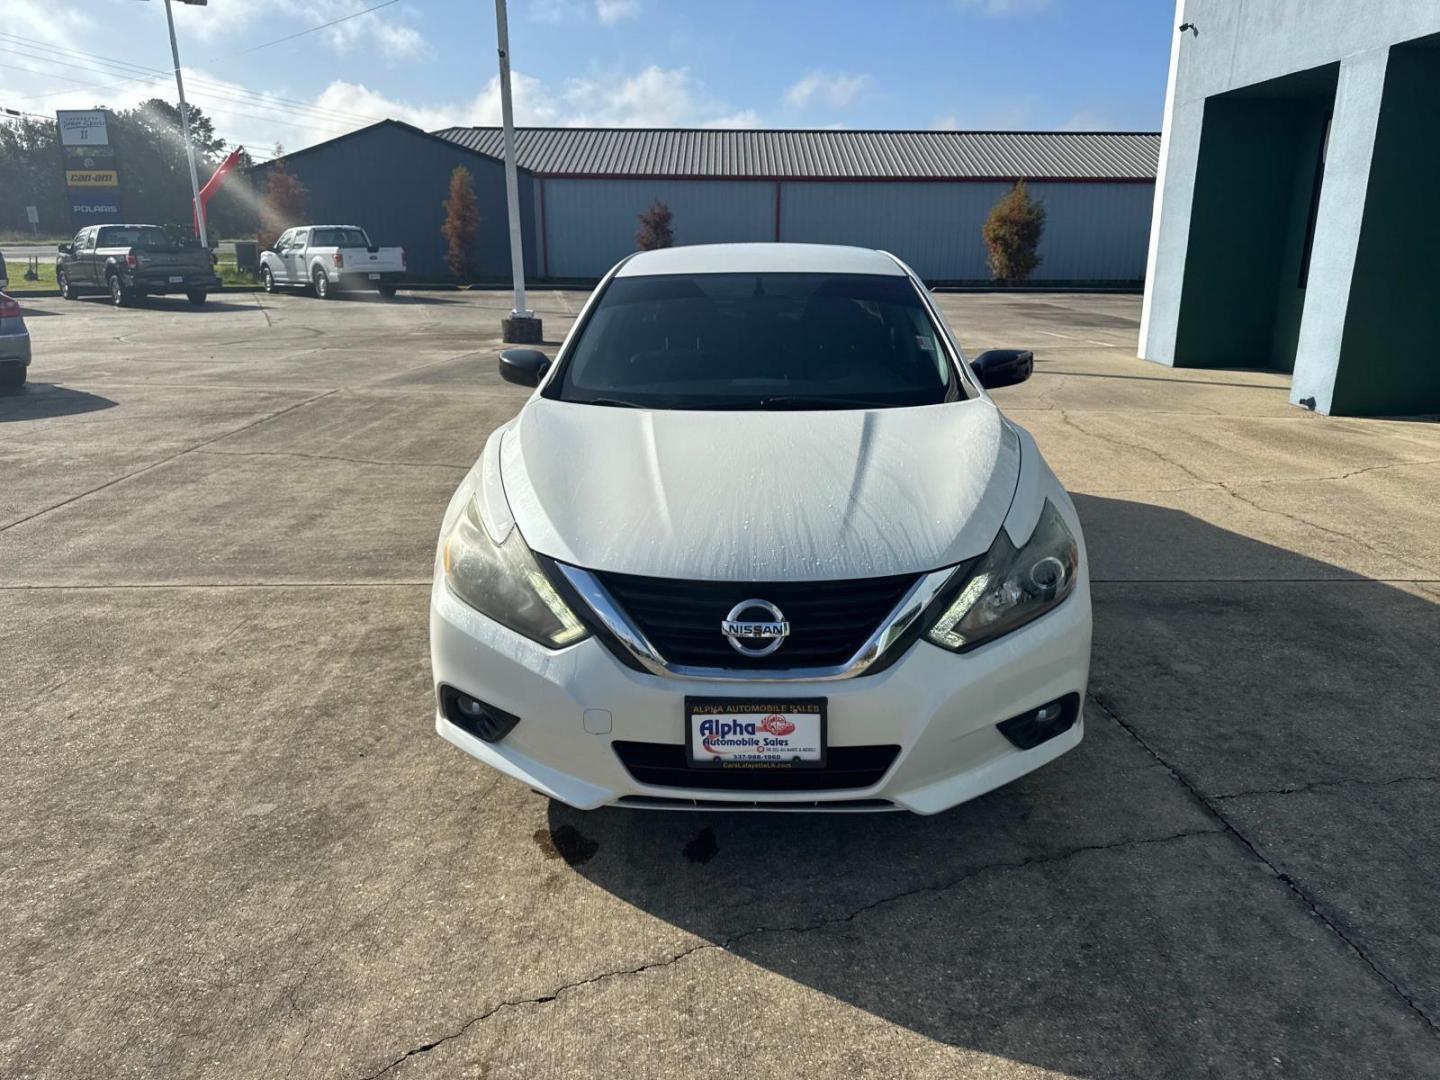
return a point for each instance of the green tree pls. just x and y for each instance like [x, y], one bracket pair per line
[149, 143]
[283, 206]
[462, 220]
[655, 231]
[32, 174]
[1012, 235]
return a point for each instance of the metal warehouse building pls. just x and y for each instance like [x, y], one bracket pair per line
[920, 194]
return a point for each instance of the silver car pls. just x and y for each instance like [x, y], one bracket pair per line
[14, 345]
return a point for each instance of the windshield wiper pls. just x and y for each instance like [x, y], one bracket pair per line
[817, 401]
[614, 403]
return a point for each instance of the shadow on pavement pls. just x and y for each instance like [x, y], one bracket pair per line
[1092, 918]
[40, 401]
[172, 303]
[401, 298]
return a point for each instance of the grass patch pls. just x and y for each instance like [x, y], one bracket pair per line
[19, 286]
[232, 276]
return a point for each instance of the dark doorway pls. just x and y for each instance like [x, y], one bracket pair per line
[1389, 356]
[1257, 190]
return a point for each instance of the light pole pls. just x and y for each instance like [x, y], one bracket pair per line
[185, 121]
[522, 327]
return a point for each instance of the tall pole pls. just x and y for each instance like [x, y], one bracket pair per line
[522, 326]
[185, 124]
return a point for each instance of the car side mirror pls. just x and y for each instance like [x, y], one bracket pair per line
[1003, 367]
[523, 367]
[65, 249]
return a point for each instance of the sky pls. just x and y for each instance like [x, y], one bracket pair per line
[968, 64]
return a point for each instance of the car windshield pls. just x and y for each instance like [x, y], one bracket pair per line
[146, 237]
[338, 238]
[758, 341]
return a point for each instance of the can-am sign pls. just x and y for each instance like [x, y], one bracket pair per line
[83, 127]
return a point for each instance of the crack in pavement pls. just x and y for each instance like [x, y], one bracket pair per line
[1313, 785]
[166, 460]
[823, 923]
[1262, 481]
[1229, 488]
[1312, 905]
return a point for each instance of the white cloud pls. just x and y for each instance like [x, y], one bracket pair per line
[224, 21]
[745, 118]
[1087, 120]
[608, 12]
[258, 119]
[1003, 8]
[613, 11]
[836, 89]
[43, 20]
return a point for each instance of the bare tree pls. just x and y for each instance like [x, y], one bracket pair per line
[655, 231]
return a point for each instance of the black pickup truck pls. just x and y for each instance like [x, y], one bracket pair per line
[130, 261]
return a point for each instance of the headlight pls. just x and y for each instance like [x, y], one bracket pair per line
[1009, 587]
[502, 581]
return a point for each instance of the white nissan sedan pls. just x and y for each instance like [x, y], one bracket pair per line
[760, 539]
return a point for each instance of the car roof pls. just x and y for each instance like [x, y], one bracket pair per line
[760, 258]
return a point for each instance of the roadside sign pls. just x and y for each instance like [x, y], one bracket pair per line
[94, 203]
[89, 157]
[85, 127]
[32, 215]
[92, 178]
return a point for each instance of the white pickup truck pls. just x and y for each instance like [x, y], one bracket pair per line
[328, 258]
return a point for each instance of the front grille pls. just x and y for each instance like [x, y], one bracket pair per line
[829, 620]
[665, 765]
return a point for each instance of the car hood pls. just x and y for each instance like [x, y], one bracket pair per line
[759, 496]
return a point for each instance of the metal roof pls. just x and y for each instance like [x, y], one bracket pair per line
[822, 155]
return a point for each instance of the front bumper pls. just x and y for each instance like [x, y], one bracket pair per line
[940, 708]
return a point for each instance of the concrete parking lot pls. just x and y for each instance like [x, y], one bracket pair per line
[231, 845]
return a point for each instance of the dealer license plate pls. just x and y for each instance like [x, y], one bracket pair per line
[374, 277]
[177, 279]
[755, 733]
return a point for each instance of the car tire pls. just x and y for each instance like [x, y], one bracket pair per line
[321, 284]
[12, 377]
[267, 279]
[62, 279]
[120, 296]
[197, 297]
[387, 291]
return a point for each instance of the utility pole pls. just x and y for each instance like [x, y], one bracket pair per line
[522, 327]
[185, 122]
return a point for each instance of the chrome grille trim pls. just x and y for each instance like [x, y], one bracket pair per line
[624, 629]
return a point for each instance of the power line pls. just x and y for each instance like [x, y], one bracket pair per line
[322, 26]
[214, 90]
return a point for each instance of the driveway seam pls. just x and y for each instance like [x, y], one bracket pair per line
[1311, 904]
[335, 457]
[165, 460]
[803, 928]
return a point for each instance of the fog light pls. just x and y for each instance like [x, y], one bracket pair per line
[1030, 729]
[475, 717]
